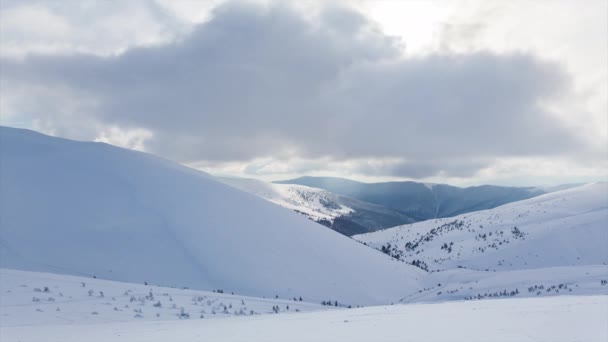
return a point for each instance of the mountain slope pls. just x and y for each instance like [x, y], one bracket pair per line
[421, 201]
[563, 228]
[343, 214]
[94, 209]
[316, 204]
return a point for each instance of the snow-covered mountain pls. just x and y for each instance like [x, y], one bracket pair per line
[316, 204]
[352, 208]
[92, 210]
[563, 228]
[550, 245]
[421, 201]
[341, 213]
[85, 208]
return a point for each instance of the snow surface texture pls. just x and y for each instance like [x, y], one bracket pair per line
[459, 284]
[73, 315]
[37, 298]
[94, 209]
[564, 228]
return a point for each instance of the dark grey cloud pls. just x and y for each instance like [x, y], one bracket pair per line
[263, 81]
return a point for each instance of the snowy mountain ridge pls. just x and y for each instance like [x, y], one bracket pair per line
[563, 228]
[553, 244]
[422, 201]
[343, 214]
[94, 209]
[316, 204]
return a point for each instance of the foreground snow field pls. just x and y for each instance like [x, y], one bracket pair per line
[38, 306]
[37, 298]
[564, 318]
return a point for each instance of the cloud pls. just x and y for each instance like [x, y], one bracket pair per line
[93, 27]
[269, 81]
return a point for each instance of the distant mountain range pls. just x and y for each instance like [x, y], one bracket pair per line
[343, 214]
[407, 202]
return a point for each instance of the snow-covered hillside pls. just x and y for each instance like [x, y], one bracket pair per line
[466, 284]
[53, 308]
[89, 209]
[563, 228]
[316, 204]
[343, 214]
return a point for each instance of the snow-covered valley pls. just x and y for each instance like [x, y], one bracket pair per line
[100, 243]
[343, 214]
[354, 208]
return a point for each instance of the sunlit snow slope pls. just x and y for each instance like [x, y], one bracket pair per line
[316, 204]
[343, 214]
[564, 228]
[86, 208]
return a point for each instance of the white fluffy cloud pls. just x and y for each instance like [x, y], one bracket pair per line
[278, 90]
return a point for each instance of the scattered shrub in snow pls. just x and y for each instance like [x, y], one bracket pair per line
[183, 314]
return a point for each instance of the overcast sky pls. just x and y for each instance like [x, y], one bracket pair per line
[463, 92]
